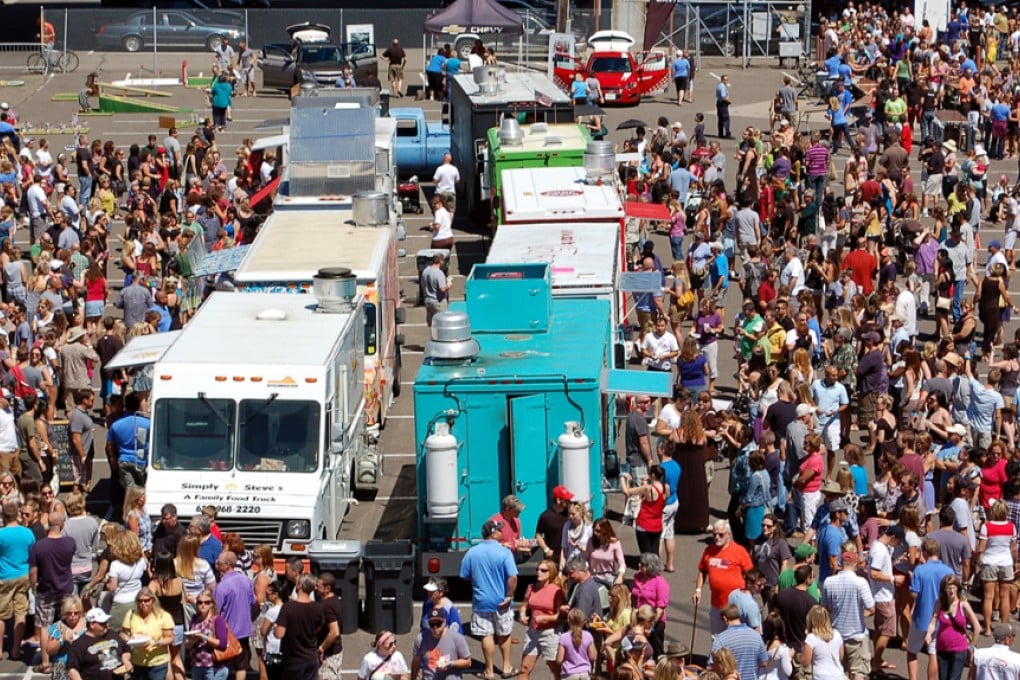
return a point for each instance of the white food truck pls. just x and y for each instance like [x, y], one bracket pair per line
[295, 244]
[256, 409]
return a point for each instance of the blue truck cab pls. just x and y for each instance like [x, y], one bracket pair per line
[514, 397]
[420, 144]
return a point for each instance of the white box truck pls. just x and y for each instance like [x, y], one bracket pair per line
[257, 409]
[293, 245]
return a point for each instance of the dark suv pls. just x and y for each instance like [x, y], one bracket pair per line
[311, 54]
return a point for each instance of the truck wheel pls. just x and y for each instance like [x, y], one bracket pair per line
[396, 374]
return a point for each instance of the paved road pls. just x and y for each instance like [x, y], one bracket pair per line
[392, 514]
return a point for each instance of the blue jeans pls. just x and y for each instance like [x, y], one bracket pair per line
[958, 298]
[926, 125]
[794, 511]
[817, 183]
[210, 673]
[150, 672]
[676, 247]
[951, 665]
[85, 192]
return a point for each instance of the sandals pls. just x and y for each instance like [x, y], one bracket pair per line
[512, 673]
[44, 670]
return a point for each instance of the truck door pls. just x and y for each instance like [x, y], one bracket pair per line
[529, 454]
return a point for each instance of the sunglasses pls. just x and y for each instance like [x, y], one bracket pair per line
[437, 624]
[6, 483]
[205, 602]
[719, 533]
[143, 600]
[542, 569]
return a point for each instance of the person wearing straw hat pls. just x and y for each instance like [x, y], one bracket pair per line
[73, 359]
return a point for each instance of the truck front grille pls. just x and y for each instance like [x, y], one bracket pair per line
[253, 530]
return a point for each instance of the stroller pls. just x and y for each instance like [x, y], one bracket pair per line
[410, 196]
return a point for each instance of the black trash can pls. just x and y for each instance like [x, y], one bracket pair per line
[389, 576]
[343, 560]
[424, 259]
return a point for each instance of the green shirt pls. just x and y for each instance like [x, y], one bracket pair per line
[787, 580]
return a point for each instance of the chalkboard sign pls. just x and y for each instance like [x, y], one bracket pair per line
[60, 446]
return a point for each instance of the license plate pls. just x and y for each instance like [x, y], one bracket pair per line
[610, 97]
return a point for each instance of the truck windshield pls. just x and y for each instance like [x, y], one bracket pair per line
[193, 434]
[610, 65]
[278, 435]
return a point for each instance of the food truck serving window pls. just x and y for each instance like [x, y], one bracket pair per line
[193, 434]
[277, 435]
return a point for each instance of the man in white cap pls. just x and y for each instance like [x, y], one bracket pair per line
[99, 652]
[12, 117]
[998, 661]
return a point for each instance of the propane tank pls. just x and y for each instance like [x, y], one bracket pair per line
[575, 461]
[441, 473]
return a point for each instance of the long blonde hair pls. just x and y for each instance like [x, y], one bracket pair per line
[819, 623]
[187, 554]
[723, 661]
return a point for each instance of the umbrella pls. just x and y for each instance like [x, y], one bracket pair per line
[588, 110]
[631, 123]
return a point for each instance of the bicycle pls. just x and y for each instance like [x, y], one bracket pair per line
[44, 61]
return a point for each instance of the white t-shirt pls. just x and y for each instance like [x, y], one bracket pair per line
[881, 560]
[44, 162]
[964, 520]
[658, 346]
[445, 222]
[670, 416]
[474, 61]
[8, 433]
[825, 664]
[997, 552]
[379, 668]
[272, 642]
[794, 269]
[446, 178]
[129, 579]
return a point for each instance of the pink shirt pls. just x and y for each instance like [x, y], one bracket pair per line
[605, 560]
[652, 591]
[813, 462]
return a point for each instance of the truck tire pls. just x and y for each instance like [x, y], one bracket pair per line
[397, 362]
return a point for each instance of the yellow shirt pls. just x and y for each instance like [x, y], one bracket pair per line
[955, 204]
[152, 627]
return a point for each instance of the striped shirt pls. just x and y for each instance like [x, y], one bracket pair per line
[817, 160]
[747, 647]
[846, 595]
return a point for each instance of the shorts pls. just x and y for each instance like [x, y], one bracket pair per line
[933, 185]
[990, 572]
[669, 519]
[484, 624]
[915, 641]
[681, 82]
[544, 643]
[885, 618]
[14, 598]
[395, 71]
[46, 610]
[867, 406]
[94, 309]
[1010, 239]
[858, 657]
[331, 667]
[178, 635]
[242, 661]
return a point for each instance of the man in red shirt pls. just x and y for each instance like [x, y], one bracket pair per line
[870, 188]
[723, 565]
[862, 266]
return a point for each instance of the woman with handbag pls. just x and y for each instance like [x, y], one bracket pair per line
[823, 646]
[207, 632]
[149, 631]
[384, 661]
[272, 656]
[949, 629]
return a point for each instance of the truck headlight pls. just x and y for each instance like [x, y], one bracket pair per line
[298, 528]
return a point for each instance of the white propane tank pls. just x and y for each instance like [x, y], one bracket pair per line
[574, 461]
[441, 473]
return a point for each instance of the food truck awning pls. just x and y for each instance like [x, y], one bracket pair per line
[143, 350]
[647, 211]
[652, 383]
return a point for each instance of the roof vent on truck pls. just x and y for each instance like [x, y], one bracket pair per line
[334, 289]
[510, 132]
[451, 339]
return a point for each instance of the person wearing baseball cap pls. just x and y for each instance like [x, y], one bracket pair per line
[831, 537]
[995, 256]
[435, 599]
[549, 530]
[440, 653]
[492, 571]
[93, 656]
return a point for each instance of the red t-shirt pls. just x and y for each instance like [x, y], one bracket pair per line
[862, 267]
[511, 530]
[544, 601]
[992, 479]
[869, 189]
[725, 567]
